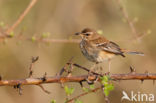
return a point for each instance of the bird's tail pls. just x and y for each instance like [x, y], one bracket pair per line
[133, 52]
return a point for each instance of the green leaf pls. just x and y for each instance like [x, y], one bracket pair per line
[104, 80]
[68, 90]
[71, 90]
[106, 92]
[110, 87]
[45, 34]
[11, 34]
[92, 86]
[53, 101]
[78, 101]
[33, 38]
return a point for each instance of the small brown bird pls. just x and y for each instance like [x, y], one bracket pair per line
[97, 48]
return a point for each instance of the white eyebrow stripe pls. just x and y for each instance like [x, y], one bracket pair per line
[88, 33]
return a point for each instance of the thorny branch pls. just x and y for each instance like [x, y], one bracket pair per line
[80, 78]
[115, 77]
[77, 79]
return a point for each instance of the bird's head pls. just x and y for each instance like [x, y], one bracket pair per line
[87, 34]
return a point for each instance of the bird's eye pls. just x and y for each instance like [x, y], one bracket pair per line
[87, 34]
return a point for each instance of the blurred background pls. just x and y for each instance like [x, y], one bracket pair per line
[61, 19]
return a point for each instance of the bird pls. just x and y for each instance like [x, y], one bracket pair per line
[97, 48]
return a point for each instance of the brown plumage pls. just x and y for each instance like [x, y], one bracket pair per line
[97, 48]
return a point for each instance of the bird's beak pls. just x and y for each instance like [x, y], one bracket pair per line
[78, 33]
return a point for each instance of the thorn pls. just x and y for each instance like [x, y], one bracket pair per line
[146, 72]
[81, 84]
[34, 59]
[18, 87]
[142, 80]
[132, 69]
[46, 91]
[44, 77]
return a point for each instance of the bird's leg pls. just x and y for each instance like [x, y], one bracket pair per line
[90, 73]
[92, 68]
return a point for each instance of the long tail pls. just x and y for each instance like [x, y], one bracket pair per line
[133, 52]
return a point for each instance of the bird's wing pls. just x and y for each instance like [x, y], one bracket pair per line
[108, 46]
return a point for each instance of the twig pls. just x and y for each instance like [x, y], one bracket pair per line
[65, 67]
[18, 21]
[46, 91]
[125, 14]
[83, 94]
[86, 69]
[60, 40]
[34, 59]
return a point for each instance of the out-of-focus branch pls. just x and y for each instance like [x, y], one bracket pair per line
[60, 40]
[83, 94]
[125, 14]
[18, 21]
[36, 81]
[6, 34]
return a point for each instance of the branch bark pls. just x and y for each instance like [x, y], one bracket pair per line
[56, 79]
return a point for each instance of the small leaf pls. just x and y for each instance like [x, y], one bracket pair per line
[69, 91]
[106, 92]
[104, 80]
[45, 34]
[33, 38]
[92, 86]
[66, 89]
[53, 101]
[110, 87]
[11, 34]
